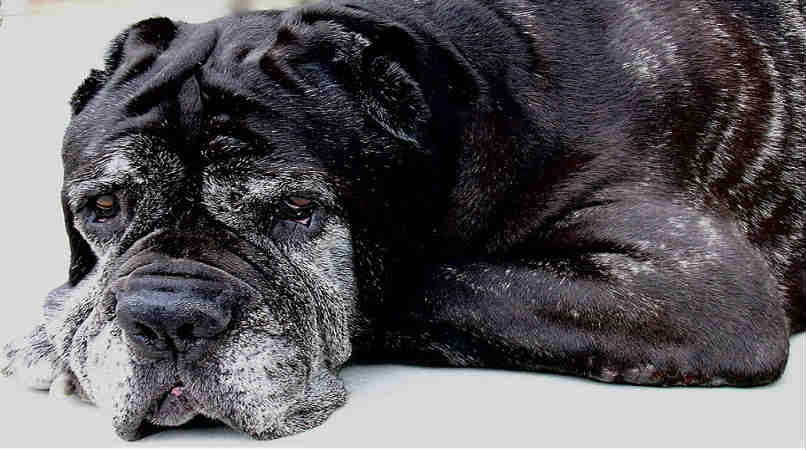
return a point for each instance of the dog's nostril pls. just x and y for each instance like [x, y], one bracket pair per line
[145, 332]
[185, 331]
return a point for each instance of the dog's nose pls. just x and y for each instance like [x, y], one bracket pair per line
[162, 315]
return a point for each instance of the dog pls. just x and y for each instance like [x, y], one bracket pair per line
[613, 190]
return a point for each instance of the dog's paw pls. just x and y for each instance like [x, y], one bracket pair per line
[31, 359]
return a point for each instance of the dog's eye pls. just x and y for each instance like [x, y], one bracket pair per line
[298, 202]
[106, 207]
[298, 209]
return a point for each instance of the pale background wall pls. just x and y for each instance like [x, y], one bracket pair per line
[46, 48]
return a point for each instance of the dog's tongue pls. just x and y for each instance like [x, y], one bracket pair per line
[176, 391]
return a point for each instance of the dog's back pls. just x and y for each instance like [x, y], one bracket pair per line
[698, 100]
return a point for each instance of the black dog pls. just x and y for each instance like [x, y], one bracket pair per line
[611, 189]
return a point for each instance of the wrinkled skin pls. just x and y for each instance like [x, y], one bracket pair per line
[453, 183]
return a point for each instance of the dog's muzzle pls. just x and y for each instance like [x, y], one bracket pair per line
[174, 307]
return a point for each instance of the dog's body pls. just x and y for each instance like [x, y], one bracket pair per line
[613, 190]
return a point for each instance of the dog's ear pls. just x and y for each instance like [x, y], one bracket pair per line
[402, 77]
[138, 46]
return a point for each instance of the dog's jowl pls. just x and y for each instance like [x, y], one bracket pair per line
[613, 190]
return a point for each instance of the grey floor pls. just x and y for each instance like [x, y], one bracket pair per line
[43, 57]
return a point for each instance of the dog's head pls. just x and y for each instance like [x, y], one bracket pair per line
[230, 192]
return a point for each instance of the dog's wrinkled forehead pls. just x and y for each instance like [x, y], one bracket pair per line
[151, 80]
[181, 85]
[320, 88]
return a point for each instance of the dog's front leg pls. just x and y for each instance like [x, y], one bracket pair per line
[31, 359]
[645, 305]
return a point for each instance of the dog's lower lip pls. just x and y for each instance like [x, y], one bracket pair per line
[173, 408]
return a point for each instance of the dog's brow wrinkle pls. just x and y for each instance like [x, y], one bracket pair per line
[226, 146]
[106, 175]
[116, 161]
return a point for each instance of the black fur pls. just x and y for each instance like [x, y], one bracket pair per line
[613, 189]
